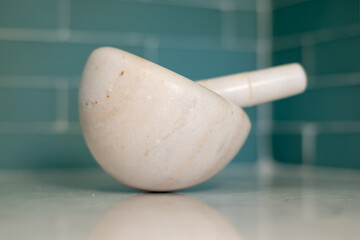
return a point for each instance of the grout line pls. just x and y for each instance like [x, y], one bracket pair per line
[322, 35]
[264, 111]
[263, 49]
[64, 19]
[288, 127]
[308, 143]
[106, 37]
[228, 38]
[135, 39]
[62, 106]
[195, 4]
[44, 128]
[15, 128]
[174, 3]
[242, 44]
[316, 82]
[75, 36]
[228, 25]
[30, 82]
[29, 34]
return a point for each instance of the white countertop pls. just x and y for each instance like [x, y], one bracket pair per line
[241, 202]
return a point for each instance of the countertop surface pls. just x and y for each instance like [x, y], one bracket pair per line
[242, 202]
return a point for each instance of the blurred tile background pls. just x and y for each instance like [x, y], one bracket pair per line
[322, 126]
[44, 45]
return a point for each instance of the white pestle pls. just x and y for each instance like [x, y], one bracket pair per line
[256, 87]
[153, 129]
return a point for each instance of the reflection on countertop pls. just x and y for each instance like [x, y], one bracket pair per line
[163, 216]
[242, 202]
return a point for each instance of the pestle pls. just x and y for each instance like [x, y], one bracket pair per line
[256, 87]
[153, 129]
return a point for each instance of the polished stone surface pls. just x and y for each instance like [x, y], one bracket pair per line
[242, 202]
[153, 129]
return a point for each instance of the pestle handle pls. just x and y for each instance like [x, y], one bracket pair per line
[256, 87]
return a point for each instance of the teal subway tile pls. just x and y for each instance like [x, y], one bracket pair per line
[26, 105]
[280, 3]
[338, 56]
[243, 4]
[245, 24]
[29, 14]
[287, 56]
[287, 148]
[39, 58]
[200, 64]
[328, 104]
[144, 18]
[173, 42]
[252, 113]
[248, 152]
[44, 151]
[314, 15]
[73, 105]
[338, 150]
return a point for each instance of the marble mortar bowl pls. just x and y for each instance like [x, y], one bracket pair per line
[155, 130]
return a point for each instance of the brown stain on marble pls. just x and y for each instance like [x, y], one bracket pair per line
[92, 103]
